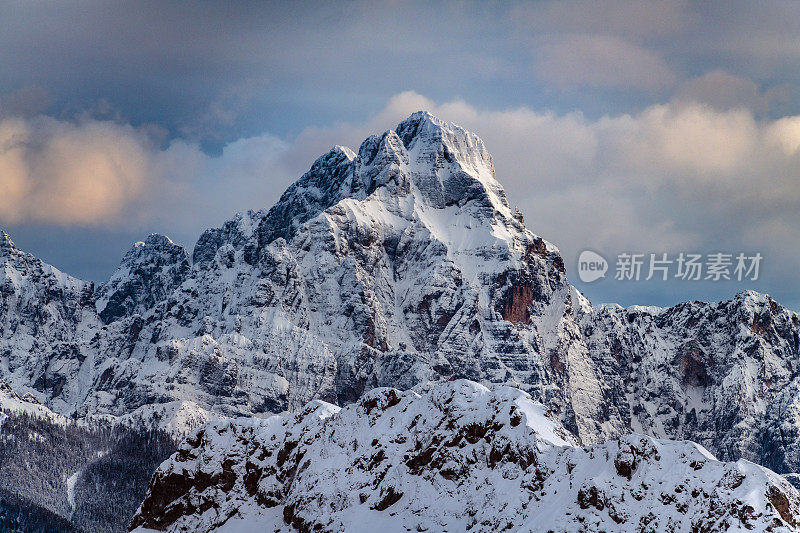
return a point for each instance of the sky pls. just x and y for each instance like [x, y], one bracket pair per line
[617, 127]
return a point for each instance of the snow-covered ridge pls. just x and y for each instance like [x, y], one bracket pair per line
[458, 457]
[11, 402]
[177, 419]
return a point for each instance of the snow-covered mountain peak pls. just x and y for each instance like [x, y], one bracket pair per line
[148, 273]
[427, 134]
[442, 162]
[430, 174]
[156, 241]
[752, 299]
[379, 163]
[156, 248]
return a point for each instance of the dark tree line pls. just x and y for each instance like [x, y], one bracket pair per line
[37, 457]
[19, 514]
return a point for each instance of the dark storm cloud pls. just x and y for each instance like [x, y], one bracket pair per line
[205, 65]
[218, 70]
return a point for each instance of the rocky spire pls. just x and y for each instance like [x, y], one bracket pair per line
[6, 244]
[148, 273]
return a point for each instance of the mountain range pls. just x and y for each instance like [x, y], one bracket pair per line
[402, 265]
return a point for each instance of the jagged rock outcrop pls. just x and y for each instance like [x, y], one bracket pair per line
[148, 274]
[397, 265]
[458, 457]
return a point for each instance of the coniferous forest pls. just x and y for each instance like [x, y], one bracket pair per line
[74, 477]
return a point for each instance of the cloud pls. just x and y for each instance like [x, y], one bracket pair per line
[581, 60]
[64, 172]
[722, 90]
[92, 172]
[630, 19]
[198, 191]
[221, 72]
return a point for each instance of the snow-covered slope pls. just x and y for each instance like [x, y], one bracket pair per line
[46, 317]
[397, 265]
[177, 419]
[11, 402]
[458, 457]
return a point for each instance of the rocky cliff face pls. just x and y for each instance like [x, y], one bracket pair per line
[46, 316]
[398, 265]
[458, 457]
[722, 374]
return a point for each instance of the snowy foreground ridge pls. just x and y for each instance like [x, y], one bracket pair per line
[455, 458]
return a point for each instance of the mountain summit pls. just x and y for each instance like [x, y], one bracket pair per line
[400, 265]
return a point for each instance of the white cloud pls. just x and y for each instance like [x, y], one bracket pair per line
[102, 173]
